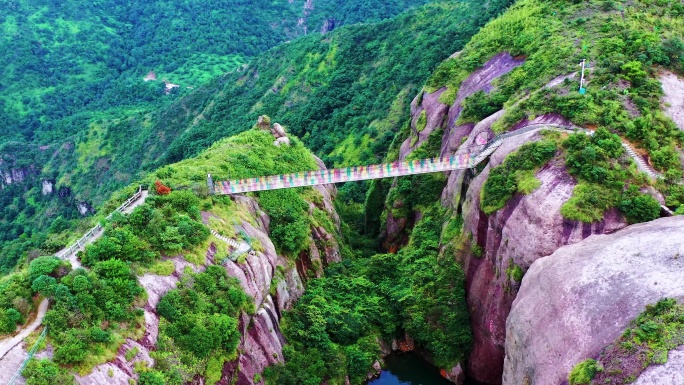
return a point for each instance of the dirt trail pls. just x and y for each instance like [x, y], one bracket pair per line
[7, 345]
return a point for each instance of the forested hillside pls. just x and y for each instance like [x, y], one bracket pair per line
[345, 95]
[62, 58]
[90, 138]
[76, 111]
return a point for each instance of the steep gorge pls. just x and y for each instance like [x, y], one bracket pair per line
[513, 269]
[530, 226]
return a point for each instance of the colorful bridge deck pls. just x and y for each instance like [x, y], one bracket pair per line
[470, 159]
[347, 174]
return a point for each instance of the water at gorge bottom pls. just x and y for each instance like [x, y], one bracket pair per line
[408, 369]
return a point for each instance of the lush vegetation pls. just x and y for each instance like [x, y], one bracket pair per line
[199, 327]
[76, 111]
[659, 329]
[15, 301]
[22, 227]
[606, 178]
[347, 94]
[625, 44]
[334, 329]
[84, 301]
[46, 372]
[289, 223]
[83, 54]
[95, 308]
[602, 169]
[516, 174]
[584, 372]
[166, 224]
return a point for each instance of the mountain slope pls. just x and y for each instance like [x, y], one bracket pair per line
[353, 85]
[64, 58]
[355, 81]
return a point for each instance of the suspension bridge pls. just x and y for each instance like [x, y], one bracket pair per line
[467, 159]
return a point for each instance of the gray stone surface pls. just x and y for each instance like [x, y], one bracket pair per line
[670, 373]
[673, 87]
[581, 298]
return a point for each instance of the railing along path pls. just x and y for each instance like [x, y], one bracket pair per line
[31, 352]
[83, 241]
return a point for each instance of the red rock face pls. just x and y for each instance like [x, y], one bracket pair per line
[262, 342]
[528, 228]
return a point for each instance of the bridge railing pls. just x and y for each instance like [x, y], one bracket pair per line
[31, 352]
[388, 170]
[83, 241]
[358, 173]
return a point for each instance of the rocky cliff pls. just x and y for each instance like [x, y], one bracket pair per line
[582, 297]
[274, 281]
[275, 284]
[529, 227]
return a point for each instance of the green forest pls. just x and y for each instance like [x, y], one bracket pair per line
[95, 126]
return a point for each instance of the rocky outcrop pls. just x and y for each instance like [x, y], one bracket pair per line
[670, 373]
[13, 175]
[11, 362]
[156, 286]
[429, 114]
[121, 370]
[673, 87]
[13, 165]
[84, 208]
[278, 131]
[328, 25]
[528, 228]
[438, 115]
[480, 80]
[581, 298]
[275, 284]
[270, 279]
[48, 187]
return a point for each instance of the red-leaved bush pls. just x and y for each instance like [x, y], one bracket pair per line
[161, 189]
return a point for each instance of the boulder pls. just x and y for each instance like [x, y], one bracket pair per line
[455, 375]
[278, 131]
[282, 141]
[673, 98]
[582, 297]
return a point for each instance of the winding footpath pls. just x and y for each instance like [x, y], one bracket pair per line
[8, 344]
[69, 254]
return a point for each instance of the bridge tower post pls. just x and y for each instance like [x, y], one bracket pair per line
[210, 185]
